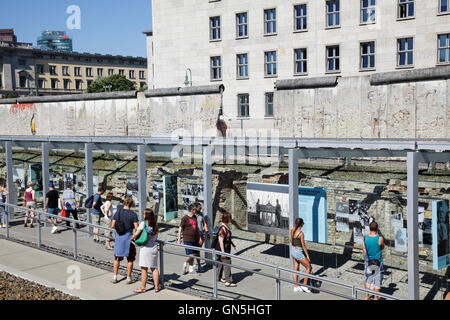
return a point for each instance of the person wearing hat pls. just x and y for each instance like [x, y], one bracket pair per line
[51, 205]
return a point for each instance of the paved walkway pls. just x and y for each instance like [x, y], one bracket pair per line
[52, 271]
[95, 281]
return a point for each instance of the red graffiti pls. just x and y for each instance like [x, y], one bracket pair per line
[15, 108]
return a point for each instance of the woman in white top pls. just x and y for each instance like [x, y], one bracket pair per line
[3, 194]
[107, 214]
[148, 254]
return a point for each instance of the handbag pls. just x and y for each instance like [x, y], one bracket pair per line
[119, 226]
[143, 237]
[63, 214]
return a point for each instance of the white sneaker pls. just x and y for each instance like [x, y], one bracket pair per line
[305, 289]
[184, 268]
[297, 289]
[54, 229]
[191, 269]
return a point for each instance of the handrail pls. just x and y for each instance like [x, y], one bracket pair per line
[214, 253]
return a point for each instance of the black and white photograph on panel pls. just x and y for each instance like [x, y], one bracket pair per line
[397, 219]
[69, 177]
[94, 183]
[193, 193]
[400, 243]
[342, 213]
[358, 232]
[359, 211]
[133, 190]
[268, 208]
[19, 177]
[425, 226]
[157, 190]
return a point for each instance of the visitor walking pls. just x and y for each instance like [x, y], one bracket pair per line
[300, 254]
[3, 194]
[373, 244]
[203, 229]
[191, 236]
[96, 211]
[51, 205]
[69, 203]
[225, 243]
[29, 203]
[107, 215]
[148, 254]
[123, 246]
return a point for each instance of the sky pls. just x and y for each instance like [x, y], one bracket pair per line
[106, 26]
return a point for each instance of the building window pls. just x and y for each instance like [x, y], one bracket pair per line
[22, 62]
[52, 70]
[54, 83]
[41, 83]
[242, 65]
[142, 84]
[110, 72]
[300, 21]
[367, 55]
[333, 63]
[241, 25]
[88, 72]
[100, 72]
[65, 70]
[405, 9]
[216, 68]
[66, 84]
[77, 71]
[141, 75]
[23, 81]
[444, 6]
[368, 10]
[214, 28]
[405, 52]
[444, 48]
[270, 21]
[89, 82]
[40, 68]
[121, 72]
[333, 13]
[79, 84]
[243, 105]
[270, 63]
[300, 61]
[131, 74]
[269, 104]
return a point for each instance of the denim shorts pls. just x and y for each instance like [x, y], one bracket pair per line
[374, 275]
[191, 243]
[52, 211]
[298, 254]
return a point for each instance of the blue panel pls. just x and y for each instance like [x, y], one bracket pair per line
[312, 208]
[440, 231]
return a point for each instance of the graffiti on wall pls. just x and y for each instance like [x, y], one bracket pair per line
[22, 107]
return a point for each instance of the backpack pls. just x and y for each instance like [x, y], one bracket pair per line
[119, 226]
[89, 202]
[215, 238]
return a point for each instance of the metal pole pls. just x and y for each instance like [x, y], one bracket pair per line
[12, 197]
[45, 172]
[161, 263]
[278, 284]
[412, 224]
[354, 296]
[214, 274]
[7, 222]
[293, 192]
[75, 242]
[89, 179]
[142, 180]
[207, 187]
[39, 230]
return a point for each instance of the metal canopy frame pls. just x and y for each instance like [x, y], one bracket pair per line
[413, 150]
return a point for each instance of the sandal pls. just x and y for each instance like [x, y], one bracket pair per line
[156, 290]
[140, 290]
[230, 284]
[223, 280]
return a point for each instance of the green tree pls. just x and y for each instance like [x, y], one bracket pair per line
[116, 81]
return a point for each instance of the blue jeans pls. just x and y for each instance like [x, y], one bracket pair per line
[52, 211]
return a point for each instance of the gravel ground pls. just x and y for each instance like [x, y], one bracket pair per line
[14, 288]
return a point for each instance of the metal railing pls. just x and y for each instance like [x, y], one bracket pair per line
[276, 276]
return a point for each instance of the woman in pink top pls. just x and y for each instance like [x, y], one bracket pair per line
[30, 203]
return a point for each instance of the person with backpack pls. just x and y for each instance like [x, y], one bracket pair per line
[300, 254]
[373, 244]
[3, 194]
[70, 204]
[148, 254]
[97, 211]
[124, 222]
[224, 243]
[191, 235]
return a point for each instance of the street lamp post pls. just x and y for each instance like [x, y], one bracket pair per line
[186, 79]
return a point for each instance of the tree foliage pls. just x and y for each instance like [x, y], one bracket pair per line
[116, 81]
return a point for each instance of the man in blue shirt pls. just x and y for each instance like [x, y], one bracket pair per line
[97, 212]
